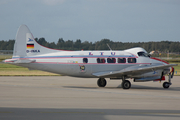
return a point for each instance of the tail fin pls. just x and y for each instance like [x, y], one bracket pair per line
[25, 45]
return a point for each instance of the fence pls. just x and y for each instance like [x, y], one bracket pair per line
[6, 52]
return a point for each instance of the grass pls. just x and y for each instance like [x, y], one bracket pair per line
[2, 57]
[177, 69]
[13, 70]
[8, 66]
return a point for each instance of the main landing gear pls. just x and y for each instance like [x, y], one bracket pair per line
[125, 83]
[101, 82]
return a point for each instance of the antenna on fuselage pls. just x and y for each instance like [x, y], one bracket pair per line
[109, 47]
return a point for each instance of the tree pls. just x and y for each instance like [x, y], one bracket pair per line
[42, 41]
[162, 46]
[77, 44]
[60, 43]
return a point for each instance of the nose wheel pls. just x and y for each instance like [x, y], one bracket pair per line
[166, 85]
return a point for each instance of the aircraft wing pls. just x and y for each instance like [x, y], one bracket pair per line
[134, 70]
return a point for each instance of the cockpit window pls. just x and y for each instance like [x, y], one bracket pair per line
[143, 54]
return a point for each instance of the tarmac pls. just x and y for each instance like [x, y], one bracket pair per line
[66, 98]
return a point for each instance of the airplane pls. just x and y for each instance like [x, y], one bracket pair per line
[134, 63]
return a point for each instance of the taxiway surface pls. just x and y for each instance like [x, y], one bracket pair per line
[62, 97]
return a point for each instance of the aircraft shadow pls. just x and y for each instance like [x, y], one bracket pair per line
[154, 88]
[134, 87]
[81, 87]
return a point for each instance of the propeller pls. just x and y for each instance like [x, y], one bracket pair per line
[161, 76]
[172, 72]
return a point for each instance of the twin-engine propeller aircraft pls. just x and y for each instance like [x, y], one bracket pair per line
[133, 63]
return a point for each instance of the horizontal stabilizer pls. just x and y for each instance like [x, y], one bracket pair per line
[15, 61]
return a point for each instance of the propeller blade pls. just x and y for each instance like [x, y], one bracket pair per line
[172, 72]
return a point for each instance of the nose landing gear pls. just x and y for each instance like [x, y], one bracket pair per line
[167, 84]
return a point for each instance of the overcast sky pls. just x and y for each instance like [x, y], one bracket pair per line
[92, 20]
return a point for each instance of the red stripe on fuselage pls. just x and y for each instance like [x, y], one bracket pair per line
[90, 63]
[159, 60]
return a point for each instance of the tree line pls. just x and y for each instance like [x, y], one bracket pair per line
[163, 46]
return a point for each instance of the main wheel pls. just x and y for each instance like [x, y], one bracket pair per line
[166, 85]
[101, 82]
[126, 84]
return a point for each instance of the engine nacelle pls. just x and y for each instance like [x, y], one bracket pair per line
[147, 79]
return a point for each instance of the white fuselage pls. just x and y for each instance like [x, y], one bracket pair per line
[84, 63]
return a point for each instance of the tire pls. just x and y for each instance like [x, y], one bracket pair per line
[166, 85]
[101, 82]
[126, 84]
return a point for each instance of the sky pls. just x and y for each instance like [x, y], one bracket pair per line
[92, 20]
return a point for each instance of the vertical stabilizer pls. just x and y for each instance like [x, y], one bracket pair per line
[25, 45]
[20, 43]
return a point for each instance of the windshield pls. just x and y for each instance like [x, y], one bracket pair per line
[143, 54]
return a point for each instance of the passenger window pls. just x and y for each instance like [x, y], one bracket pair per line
[131, 60]
[121, 60]
[101, 60]
[98, 60]
[85, 60]
[111, 60]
